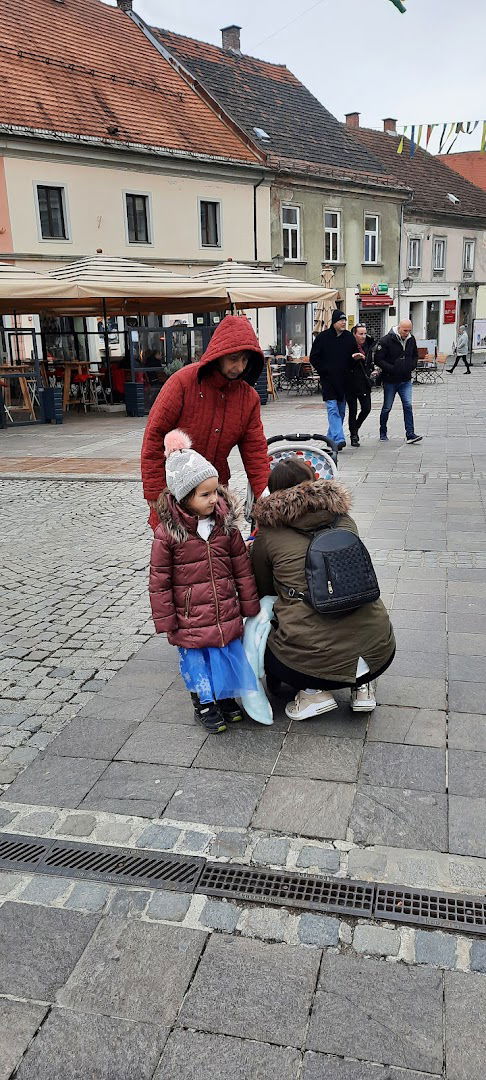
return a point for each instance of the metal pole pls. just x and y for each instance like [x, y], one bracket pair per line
[399, 290]
[106, 337]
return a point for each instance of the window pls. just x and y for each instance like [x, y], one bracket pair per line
[414, 253]
[51, 212]
[371, 238]
[291, 232]
[468, 256]
[138, 219]
[210, 224]
[439, 255]
[332, 237]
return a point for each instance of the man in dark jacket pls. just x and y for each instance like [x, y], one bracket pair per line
[331, 356]
[396, 355]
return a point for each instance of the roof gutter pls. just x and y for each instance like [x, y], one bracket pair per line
[198, 87]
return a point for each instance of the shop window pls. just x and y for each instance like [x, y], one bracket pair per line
[52, 212]
[291, 232]
[332, 235]
[371, 238]
[210, 223]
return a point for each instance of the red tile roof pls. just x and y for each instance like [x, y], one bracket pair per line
[430, 180]
[471, 164]
[303, 135]
[80, 67]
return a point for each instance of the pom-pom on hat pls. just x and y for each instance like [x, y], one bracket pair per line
[185, 469]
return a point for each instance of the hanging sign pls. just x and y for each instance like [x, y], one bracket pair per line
[450, 311]
[373, 290]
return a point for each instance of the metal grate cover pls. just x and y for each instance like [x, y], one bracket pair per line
[122, 866]
[424, 908]
[294, 890]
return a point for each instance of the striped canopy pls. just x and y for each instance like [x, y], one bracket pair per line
[248, 286]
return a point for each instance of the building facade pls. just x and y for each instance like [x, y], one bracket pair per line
[443, 241]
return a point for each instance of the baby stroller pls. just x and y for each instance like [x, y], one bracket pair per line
[310, 449]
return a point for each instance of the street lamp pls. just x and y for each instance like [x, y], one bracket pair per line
[407, 283]
[278, 262]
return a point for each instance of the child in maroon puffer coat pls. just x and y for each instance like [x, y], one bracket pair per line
[201, 584]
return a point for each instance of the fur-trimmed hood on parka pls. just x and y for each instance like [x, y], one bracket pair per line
[312, 498]
[179, 524]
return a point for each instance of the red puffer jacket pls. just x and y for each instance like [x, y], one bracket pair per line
[200, 589]
[216, 413]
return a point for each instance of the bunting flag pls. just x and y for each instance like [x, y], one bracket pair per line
[448, 136]
[400, 7]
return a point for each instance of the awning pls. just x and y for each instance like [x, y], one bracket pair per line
[366, 300]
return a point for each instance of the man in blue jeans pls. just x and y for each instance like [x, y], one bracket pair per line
[396, 354]
[332, 355]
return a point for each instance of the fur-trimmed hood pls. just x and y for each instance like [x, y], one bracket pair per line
[179, 524]
[304, 505]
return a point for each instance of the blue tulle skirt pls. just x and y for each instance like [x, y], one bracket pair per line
[214, 674]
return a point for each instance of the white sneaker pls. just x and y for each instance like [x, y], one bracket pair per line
[307, 705]
[363, 698]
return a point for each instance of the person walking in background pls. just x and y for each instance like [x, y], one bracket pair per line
[201, 584]
[462, 349]
[396, 355]
[215, 402]
[358, 382]
[331, 356]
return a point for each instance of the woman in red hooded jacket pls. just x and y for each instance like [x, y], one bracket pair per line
[201, 584]
[215, 403]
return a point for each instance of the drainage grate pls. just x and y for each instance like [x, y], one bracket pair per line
[163, 870]
[122, 866]
[433, 909]
[294, 890]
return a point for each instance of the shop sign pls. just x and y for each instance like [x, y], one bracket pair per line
[374, 290]
[450, 311]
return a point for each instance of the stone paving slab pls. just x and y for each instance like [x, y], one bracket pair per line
[134, 970]
[89, 737]
[19, 1021]
[166, 745]
[60, 780]
[74, 1047]
[307, 807]
[398, 818]
[134, 782]
[217, 798]
[39, 947]
[267, 990]
[378, 1012]
[196, 1055]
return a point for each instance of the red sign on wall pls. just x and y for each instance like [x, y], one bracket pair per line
[450, 311]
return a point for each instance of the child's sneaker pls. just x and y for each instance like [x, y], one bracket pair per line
[231, 711]
[209, 715]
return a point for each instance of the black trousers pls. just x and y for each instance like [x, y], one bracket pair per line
[456, 361]
[280, 673]
[364, 399]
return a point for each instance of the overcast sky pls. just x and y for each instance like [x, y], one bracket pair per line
[425, 66]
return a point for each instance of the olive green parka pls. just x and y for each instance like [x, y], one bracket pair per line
[323, 646]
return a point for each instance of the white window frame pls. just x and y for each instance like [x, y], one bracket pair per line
[414, 253]
[219, 219]
[372, 233]
[439, 243]
[334, 234]
[291, 228]
[65, 208]
[469, 245]
[139, 243]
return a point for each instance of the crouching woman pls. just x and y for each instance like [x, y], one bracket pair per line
[313, 653]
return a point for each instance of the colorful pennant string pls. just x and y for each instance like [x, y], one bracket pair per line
[448, 136]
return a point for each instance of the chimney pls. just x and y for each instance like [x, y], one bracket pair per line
[352, 119]
[390, 125]
[125, 5]
[231, 37]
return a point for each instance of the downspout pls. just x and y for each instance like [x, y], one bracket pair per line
[255, 219]
[399, 289]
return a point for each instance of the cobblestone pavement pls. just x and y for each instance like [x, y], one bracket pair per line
[143, 983]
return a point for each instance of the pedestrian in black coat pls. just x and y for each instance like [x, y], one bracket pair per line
[331, 356]
[358, 382]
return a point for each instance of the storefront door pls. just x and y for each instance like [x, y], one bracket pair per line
[433, 315]
[373, 320]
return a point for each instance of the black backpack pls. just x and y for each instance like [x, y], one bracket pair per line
[339, 572]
